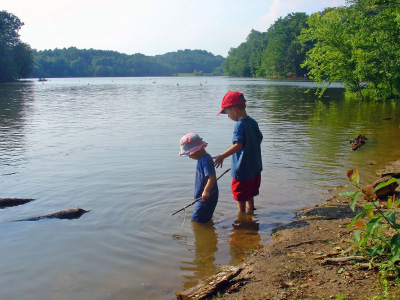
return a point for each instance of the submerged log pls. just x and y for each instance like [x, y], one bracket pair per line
[209, 286]
[358, 142]
[72, 213]
[9, 202]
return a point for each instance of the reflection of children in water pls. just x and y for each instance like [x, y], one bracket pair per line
[205, 242]
[244, 238]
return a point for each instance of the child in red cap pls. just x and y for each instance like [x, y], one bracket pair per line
[246, 165]
[206, 187]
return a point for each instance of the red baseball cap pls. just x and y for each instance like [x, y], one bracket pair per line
[231, 98]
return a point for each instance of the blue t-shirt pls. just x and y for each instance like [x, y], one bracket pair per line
[204, 208]
[246, 163]
[205, 167]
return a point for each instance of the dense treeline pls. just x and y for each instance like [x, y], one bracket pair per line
[277, 52]
[15, 56]
[357, 45]
[73, 62]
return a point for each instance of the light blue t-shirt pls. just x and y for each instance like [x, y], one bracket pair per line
[246, 163]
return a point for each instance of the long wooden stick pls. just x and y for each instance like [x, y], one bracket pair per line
[198, 199]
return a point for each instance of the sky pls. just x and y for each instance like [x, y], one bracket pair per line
[150, 27]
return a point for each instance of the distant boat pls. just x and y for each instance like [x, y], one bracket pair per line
[42, 79]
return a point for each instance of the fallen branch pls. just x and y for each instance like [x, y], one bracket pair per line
[302, 243]
[327, 255]
[368, 266]
[344, 259]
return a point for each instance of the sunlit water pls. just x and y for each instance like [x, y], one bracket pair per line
[110, 145]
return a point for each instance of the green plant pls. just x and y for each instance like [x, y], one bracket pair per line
[340, 297]
[377, 234]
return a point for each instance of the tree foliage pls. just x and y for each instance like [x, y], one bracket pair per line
[73, 62]
[276, 52]
[15, 56]
[358, 45]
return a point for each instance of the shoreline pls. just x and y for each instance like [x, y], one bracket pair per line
[296, 264]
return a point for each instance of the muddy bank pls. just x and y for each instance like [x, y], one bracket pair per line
[300, 263]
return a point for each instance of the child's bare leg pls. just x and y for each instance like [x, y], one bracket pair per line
[241, 206]
[250, 203]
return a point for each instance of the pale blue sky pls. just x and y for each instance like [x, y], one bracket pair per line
[150, 27]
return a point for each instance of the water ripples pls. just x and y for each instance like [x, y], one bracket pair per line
[111, 145]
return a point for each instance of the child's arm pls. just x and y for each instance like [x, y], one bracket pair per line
[209, 185]
[232, 150]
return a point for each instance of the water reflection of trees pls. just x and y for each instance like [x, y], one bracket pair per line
[310, 136]
[13, 100]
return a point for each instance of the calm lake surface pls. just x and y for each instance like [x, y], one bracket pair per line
[110, 145]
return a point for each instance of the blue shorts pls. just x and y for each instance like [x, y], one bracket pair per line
[204, 209]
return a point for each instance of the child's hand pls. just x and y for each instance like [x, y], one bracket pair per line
[218, 161]
[205, 195]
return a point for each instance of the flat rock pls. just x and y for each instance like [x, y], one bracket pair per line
[392, 169]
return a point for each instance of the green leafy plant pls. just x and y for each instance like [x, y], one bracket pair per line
[377, 227]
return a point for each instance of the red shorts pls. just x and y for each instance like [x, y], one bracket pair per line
[242, 190]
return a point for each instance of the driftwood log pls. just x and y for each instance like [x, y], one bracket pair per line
[209, 286]
[338, 260]
[392, 170]
[358, 142]
[72, 213]
[382, 193]
[9, 202]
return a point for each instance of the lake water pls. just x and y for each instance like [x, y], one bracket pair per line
[110, 145]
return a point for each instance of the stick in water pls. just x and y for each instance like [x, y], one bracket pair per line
[198, 199]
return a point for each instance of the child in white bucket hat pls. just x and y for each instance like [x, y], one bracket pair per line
[206, 187]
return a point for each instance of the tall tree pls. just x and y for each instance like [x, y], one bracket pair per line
[16, 60]
[359, 46]
[276, 52]
[377, 23]
[330, 59]
[283, 54]
[244, 60]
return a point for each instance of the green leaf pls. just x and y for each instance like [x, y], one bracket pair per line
[369, 206]
[395, 242]
[354, 200]
[356, 218]
[377, 203]
[356, 177]
[391, 217]
[356, 236]
[347, 194]
[383, 184]
[342, 188]
[389, 203]
[369, 228]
